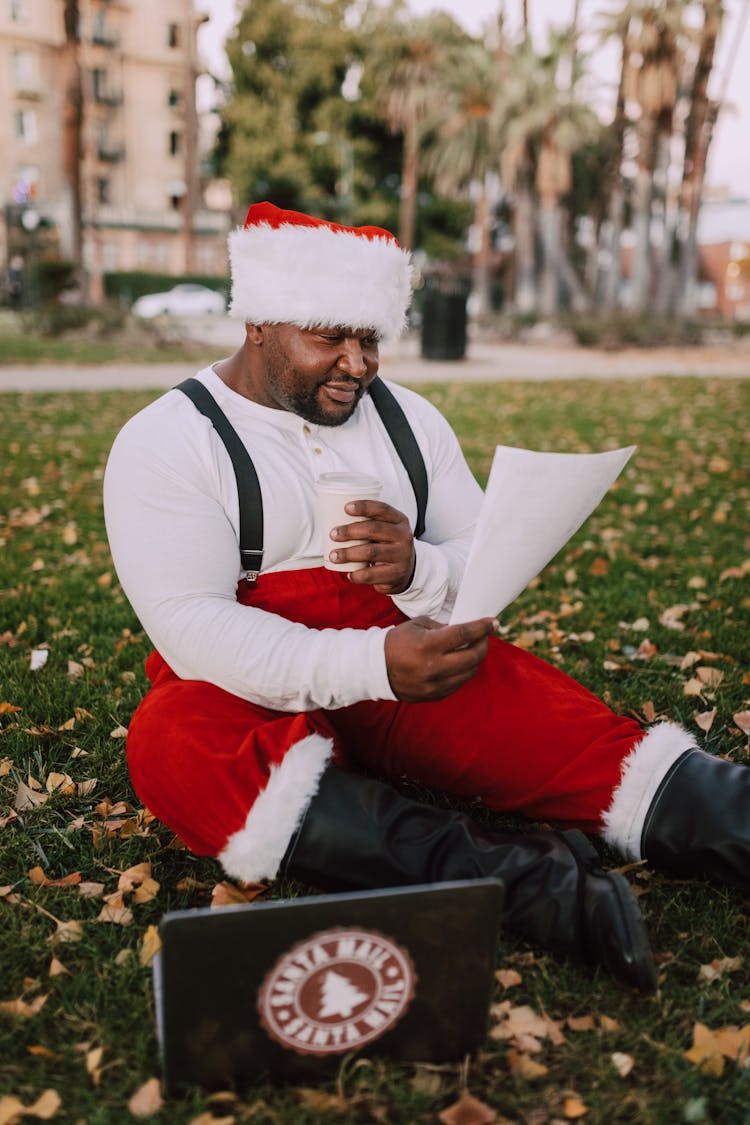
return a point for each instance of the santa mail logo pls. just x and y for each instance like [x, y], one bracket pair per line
[336, 991]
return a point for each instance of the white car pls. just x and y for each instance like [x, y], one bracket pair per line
[183, 300]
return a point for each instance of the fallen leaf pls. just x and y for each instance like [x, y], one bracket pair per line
[717, 968]
[704, 719]
[117, 915]
[508, 978]
[742, 720]
[46, 1105]
[93, 1061]
[22, 1009]
[38, 658]
[28, 798]
[608, 1024]
[8, 709]
[523, 1066]
[56, 968]
[147, 1099]
[66, 932]
[580, 1023]
[705, 1052]
[711, 677]
[119, 732]
[622, 1063]
[38, 876]
[322, 1103]
[11, 1109]
[90, 890]
[573, 1108]
[671, 618]
[229, 894]
[150, 945]
[468, 1110]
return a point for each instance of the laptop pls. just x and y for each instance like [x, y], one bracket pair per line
[283, 990]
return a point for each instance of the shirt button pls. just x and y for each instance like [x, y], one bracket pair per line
[317, 450]
[306, 428]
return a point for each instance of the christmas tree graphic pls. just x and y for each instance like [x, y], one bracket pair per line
[338, 996]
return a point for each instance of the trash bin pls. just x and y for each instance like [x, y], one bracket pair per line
[443, 324]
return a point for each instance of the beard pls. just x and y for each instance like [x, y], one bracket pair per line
[306, 401]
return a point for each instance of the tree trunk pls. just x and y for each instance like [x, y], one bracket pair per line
[615, 204]
[72, 131]
[523, 230]
[698, 129]
[481, 263]
[640, 280]
[409, 182]
[550, 227]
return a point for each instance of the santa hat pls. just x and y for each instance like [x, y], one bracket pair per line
[292, 268]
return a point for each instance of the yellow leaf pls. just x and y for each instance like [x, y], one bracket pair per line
[508, 978]
[711, 677]
[27, 797]
[11, 1109]
[580, 1023]
[67, 931]
[22, 1009]
[147, 1099]
[118, 915]
[468, 1110]
[321, 1103]
[608, 1024]
[523, 1066]
[8, 709]
[704, 719]
[60, 783]
[134, 876]
[742, 720]
[90, 890]
[46, 1105]
[705, 1052]
[56, 968]
[150, 945]
[719, 967]
[228, 894]
[622, 1063]
[573, 1107]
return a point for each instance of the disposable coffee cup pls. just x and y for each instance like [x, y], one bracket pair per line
[334, 491]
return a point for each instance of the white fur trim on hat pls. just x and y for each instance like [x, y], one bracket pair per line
[255, 851]
[642, 773]
[319, 277]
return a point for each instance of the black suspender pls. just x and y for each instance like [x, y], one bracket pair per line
[248, 487]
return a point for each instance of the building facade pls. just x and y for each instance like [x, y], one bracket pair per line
[99, 137]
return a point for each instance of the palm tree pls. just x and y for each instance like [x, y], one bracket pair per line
[409, 69]
[652, 80]
[72, 125]
[465, 144]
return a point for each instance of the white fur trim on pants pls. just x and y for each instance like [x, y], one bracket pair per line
[255, 851]
[642, 773]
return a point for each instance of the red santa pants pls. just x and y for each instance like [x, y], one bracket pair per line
[521, 735]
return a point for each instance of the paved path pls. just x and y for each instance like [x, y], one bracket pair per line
[402, 363]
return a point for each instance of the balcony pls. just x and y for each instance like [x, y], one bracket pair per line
[103, 37]
[106, 98]
[110, 153]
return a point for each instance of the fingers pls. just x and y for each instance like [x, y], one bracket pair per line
[427, 661]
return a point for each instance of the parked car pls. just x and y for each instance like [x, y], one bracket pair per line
[184, 300]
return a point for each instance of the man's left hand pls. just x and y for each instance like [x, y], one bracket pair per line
[388, 550]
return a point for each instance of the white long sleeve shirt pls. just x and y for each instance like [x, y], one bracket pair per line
[172, 516]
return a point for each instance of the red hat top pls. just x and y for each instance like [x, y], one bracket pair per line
[291, 268]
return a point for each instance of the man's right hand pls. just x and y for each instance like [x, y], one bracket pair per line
[426, 660]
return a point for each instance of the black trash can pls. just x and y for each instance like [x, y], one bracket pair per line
[443, 324]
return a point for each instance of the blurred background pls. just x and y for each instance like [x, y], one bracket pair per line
[577, 163]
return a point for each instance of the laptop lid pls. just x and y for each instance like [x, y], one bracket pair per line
[282, 990]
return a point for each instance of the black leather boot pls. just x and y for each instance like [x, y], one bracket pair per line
[699, 820]
[359, 833]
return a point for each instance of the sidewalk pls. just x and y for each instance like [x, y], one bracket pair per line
[402, 363]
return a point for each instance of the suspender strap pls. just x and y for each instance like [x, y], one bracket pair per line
[248, 486]
[402, 436]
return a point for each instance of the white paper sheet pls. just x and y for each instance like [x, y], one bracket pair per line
[533, 504]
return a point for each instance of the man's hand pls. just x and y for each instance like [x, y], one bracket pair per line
[389, 549]
[426, 660]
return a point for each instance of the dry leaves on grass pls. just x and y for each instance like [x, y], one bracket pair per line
[22, 1009]
[44, 1108]
[711, 1049]
[147, 1099]
[468, 1110]
[717, 968]
[233, 894]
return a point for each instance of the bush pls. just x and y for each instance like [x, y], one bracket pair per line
[56, 319]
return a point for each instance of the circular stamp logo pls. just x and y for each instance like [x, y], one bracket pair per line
[336, 991]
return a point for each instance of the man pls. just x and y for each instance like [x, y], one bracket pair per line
[277, 696]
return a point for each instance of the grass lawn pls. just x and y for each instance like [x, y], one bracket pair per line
[647, 605]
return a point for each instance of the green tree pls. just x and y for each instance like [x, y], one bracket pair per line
[285, 127]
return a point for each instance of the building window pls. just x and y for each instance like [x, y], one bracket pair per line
[174, 143]
[173, 35]
[103, 194]
[25, 122]
[173, 97]
[17, 11]
[24, 70]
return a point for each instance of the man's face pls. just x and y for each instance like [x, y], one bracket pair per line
[319, 374]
